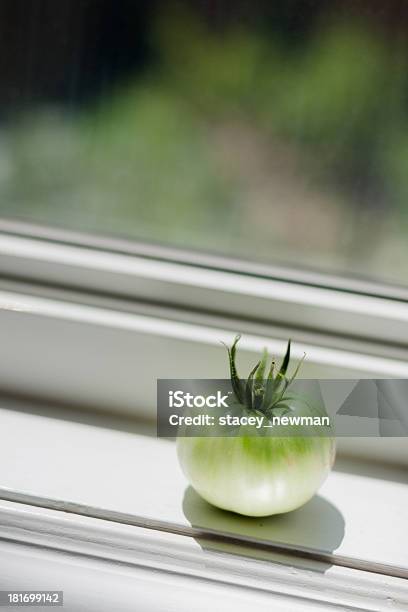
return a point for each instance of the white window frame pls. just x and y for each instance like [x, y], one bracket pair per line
[307, 302]
[88, 323]
[100, 314]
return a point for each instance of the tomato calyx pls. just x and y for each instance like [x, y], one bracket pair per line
[260, 393]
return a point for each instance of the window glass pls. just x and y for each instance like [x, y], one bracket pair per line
[273, 131]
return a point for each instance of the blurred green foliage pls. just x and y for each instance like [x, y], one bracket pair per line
[168, 156]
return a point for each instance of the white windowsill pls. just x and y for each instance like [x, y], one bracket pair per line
[153, 538]
[354, 516]
[105, 566]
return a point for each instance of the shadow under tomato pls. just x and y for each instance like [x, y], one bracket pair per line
[316, 526]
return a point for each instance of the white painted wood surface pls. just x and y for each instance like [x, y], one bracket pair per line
[354, 516]
[106, 566]
[90, 585]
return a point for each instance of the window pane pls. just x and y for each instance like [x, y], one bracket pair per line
[276, 132]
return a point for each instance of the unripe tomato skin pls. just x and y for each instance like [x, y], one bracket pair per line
[256, 476]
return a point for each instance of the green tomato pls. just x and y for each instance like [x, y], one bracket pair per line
[260, 472]
[256, 476]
